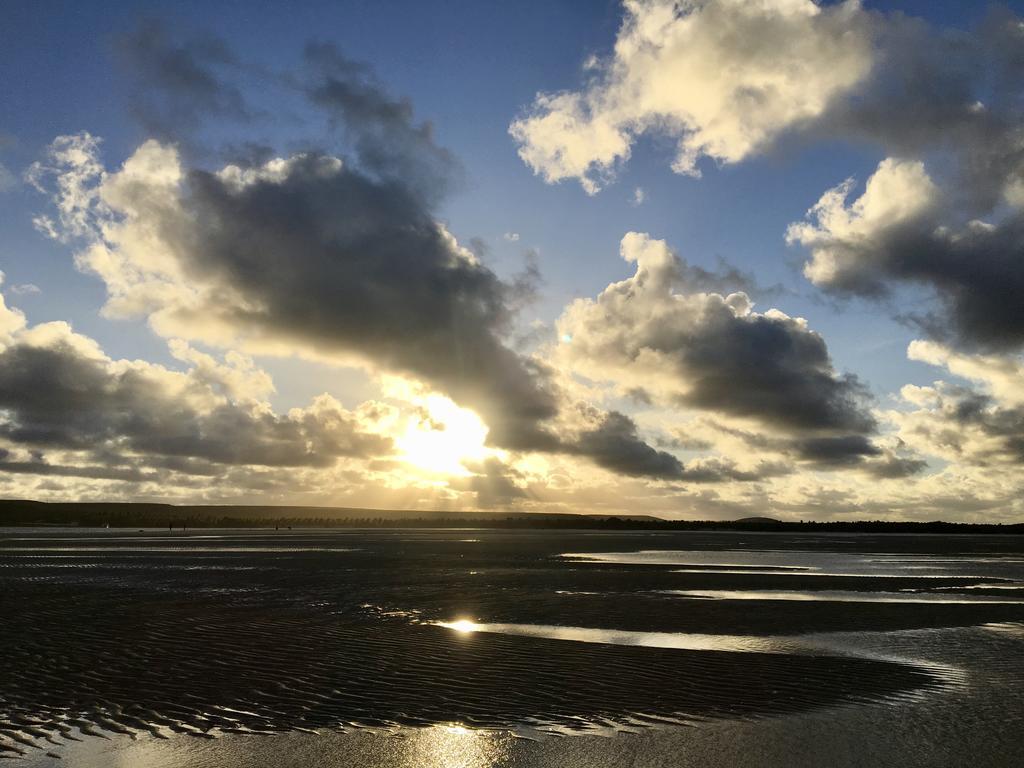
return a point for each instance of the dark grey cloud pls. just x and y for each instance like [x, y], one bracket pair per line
[55, 398]
[835, 451]
[340, 261]
[975, 273]
[830, 452]
[979, 278]
[39, 466]
[717, 470]
[346, 255]
[894, 467]
[772, 369]
[665, 340]
[614, 444]
[657, 332]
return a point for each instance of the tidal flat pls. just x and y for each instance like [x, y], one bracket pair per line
[477, 647]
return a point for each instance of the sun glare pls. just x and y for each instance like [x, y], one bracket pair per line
[442, 437]
[462, 625]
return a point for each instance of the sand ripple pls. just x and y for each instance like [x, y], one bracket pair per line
[310, 636]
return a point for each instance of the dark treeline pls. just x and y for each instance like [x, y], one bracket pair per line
[118, 515]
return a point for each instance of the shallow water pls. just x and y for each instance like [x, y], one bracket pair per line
[480, 648]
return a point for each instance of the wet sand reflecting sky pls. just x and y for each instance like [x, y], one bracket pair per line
[427, 648]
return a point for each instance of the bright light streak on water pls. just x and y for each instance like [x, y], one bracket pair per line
[835, 596]
[676, 640]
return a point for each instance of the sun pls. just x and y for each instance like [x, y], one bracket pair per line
[441, 437]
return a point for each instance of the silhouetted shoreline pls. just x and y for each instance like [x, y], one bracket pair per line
[25, 513]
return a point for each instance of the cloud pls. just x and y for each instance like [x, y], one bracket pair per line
[1001, 375]
[951, 93]
[843, 450]
[978, 424]
[389, 144]
[60, 393]
[963, 426]
[724, 78]
[730, 79]
[339, 259]
[844, 238]
[494, 484]
[718, 470]
[614, 443]
[72, 163]
[883, 457]
[309, 255]
[951, 100]
[707, 350]
[177, 83]
[75, 423]
[24, 289]
[12, 319]
[91, 471]
[896, 232]
[893, 467]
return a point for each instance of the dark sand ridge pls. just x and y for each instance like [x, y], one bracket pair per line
[308, 636]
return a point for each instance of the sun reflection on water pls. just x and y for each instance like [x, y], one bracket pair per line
[455, 746]
[447, 745]
[465, 626]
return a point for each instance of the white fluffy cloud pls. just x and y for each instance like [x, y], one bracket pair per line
[12, 319]
[1000, 375]
[723, 77]
[844, 238]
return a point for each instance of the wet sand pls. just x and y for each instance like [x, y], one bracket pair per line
[227, 646]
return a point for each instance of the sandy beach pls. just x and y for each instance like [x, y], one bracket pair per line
[259, 647]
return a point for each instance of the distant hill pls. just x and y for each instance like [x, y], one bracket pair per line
[23, 512]
[758, 521]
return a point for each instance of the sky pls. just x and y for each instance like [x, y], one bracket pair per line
[701, 259]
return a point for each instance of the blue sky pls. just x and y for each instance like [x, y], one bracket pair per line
[470, 69]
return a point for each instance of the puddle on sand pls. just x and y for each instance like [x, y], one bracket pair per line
[837, 596]
[804, 563]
